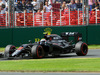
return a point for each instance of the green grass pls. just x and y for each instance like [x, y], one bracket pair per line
[2, 49]
[52, 65]
[94, 46]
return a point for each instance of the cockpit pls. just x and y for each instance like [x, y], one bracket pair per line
[53, 37]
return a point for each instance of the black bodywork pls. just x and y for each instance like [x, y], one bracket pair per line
[51, 45]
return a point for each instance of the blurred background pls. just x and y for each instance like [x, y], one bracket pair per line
[30, 13]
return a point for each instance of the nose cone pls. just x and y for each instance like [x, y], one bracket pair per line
[16, 53]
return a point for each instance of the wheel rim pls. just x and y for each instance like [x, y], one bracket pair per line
[12, 49]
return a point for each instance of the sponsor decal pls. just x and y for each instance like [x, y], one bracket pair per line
[46, 31]
[20, 48]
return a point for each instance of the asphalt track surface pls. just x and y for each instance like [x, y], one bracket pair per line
[51, 73]
[91, 54]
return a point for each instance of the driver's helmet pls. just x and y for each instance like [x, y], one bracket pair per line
[42, 40]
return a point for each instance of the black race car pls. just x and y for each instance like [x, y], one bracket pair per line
[51, 45]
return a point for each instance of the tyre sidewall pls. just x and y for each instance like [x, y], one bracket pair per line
[9, 50]
[35, 52]
[79, 48]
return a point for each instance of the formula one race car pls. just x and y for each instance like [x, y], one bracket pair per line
[51, 45]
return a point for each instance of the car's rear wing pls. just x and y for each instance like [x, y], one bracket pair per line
[77, 36]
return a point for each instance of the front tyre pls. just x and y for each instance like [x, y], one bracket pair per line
[81, 48]
[9, 50]
[37, 51]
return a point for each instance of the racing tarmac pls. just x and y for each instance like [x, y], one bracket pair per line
[51, 73]
[91, 54]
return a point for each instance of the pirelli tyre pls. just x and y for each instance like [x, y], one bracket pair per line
[9, 50]
[81, 48]
[37, 51]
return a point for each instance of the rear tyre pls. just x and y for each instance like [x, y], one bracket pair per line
[9, 50]
[81, 49]
[37, 51]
